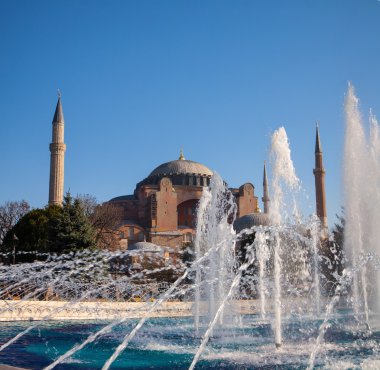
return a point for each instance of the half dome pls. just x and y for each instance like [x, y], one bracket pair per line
[250, 220]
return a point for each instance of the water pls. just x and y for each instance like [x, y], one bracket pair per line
[216, 213]
[284, 178]
[362, 211]
[262, 255]
[164, 343]
[258, 299]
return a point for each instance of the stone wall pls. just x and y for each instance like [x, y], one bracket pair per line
[64, 310]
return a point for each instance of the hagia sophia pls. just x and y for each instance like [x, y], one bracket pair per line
[162, 209]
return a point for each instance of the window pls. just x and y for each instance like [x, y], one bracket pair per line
[188, 237]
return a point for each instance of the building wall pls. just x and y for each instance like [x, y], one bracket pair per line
[144, 195]
[166, 199]
[133, 233]
[187, 213]
[163, 210]
[185, 193]
[130, 209]
[247, 202]
[168, 240]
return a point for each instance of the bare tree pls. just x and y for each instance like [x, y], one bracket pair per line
[10, 214]
[105, 219]
[88, 203]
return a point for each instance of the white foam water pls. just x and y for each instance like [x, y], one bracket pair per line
[362, 204]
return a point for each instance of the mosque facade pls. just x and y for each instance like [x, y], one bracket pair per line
[162, 208]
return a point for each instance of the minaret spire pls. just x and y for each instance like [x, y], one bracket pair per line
[265, 197]
[319, 174]
[318, 146]
[57, 156]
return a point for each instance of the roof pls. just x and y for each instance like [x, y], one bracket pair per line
[123, 197]
[58, 115]
[318, 146]
[180, 167]
[145, 247]
[250, 220]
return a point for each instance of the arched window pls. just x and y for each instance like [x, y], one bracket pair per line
[187, 213]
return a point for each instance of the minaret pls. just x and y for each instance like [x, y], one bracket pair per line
[319, 174]
[265, 198]
[57, 157]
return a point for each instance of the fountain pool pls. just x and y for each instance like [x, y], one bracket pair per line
[171, 343]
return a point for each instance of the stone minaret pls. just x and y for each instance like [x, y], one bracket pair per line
[265, 198]
[57, 157]
[319, 174]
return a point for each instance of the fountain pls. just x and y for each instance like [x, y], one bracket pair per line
[361, 171]
[254, 297]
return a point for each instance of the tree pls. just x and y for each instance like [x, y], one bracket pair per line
[333, 261]
[31, 231]
[32, 234]
[70, 229]
[104, 218]
[338, 230]
[10, 214]
[88, 203]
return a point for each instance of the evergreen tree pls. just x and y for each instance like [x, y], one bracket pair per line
[338, 230]
[333, 263]
[70, 229]
[30, 234]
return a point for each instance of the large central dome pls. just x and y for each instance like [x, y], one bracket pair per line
[181, 172]
[181, 167]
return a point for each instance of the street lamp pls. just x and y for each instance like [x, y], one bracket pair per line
[15, 238]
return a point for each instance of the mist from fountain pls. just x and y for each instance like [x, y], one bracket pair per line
[362, 204]
[284, 178]
[262, 255]
[215, 217]
[315, 242]
[232, 290]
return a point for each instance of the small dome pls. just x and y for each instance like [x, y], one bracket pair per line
[145, 247]
[181, 167]
[250, 220]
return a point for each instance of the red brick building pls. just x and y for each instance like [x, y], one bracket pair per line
[162, 209]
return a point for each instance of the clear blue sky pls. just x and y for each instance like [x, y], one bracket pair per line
[140, 79]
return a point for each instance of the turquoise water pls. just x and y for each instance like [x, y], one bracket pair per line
[171, 343]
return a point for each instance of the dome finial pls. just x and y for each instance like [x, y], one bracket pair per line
[181, 156]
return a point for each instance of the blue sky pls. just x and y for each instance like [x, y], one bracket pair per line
[140, 79]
